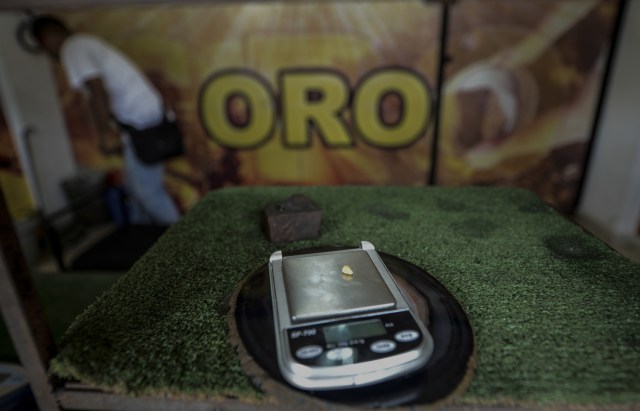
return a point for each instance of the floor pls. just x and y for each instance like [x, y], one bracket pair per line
[47, 263]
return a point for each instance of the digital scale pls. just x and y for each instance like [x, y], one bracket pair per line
[342, 321]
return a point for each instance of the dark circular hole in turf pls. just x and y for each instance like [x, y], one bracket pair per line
[572, 247]
[474, 227]
[447, 369]
[447, 204]
[386, 212]
[533, 207]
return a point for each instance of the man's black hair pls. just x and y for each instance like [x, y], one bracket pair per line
[41, 23]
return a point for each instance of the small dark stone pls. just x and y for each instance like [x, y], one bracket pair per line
[296, 218]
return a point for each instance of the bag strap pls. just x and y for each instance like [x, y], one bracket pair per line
[169, 114]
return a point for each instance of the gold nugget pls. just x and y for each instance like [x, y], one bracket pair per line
[347, 270]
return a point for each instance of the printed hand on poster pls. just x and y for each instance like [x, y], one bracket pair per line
[521, 93]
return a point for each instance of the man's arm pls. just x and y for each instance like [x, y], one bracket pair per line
[99, 104]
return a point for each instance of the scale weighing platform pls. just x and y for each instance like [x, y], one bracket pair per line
[341, 320]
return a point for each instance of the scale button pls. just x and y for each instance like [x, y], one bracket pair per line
[340, 354]
[406, 336]
[383, 346]
[308, 351]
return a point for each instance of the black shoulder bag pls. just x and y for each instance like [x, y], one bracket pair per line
[157, 143]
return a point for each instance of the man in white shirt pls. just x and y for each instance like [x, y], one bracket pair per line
[116, 89]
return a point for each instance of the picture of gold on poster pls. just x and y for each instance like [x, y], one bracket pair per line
[521, 92]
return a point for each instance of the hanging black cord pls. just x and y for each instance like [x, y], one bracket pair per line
[443, 59]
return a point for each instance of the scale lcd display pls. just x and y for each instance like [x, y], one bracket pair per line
[348, 331]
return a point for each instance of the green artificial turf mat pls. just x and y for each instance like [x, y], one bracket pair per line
[63, 297]
[556, 313]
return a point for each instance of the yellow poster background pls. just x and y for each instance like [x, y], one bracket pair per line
[12, 180]
[180, 47]
[520, 90]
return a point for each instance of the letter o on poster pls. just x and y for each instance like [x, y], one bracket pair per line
[216, 116]
[415, 110]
